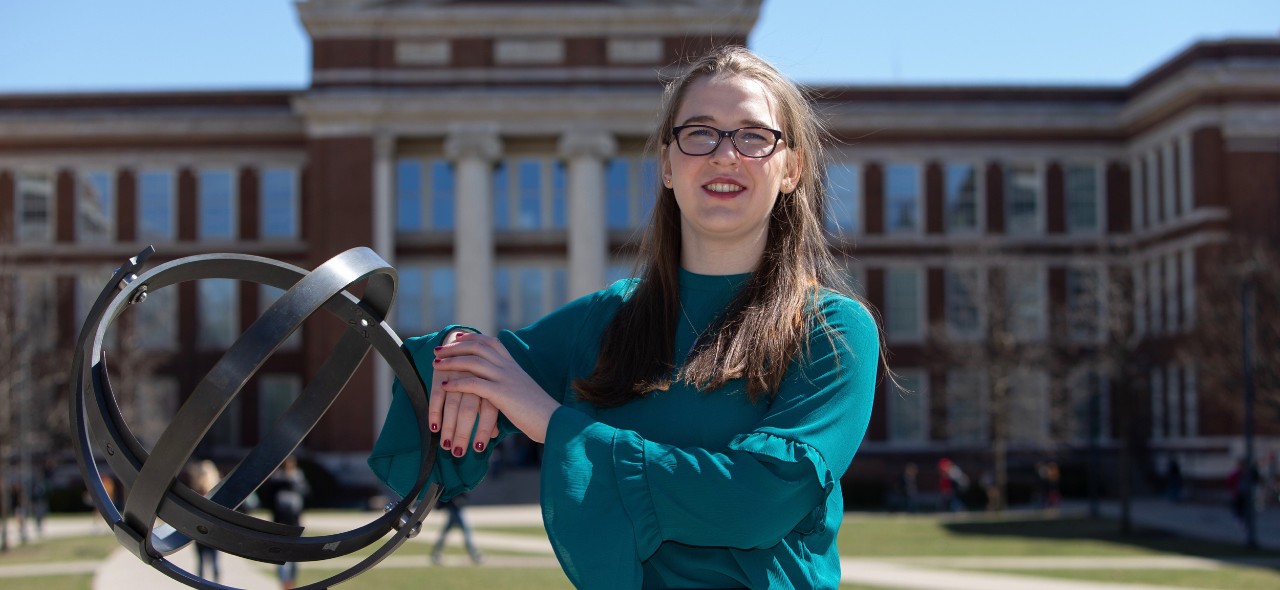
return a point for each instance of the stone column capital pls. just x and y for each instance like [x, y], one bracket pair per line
[473, 140]
[592, 144]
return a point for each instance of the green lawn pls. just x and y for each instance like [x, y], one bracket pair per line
[865, 536]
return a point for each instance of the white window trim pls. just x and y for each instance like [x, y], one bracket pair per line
[1169, 190]
[546, 198]
[1186, 176]
[1154, 217]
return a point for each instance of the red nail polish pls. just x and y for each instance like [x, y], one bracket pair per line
[439, 348]
[457, 452]
[436, 361]
[435, 428]
[442, 383]
[446, 444]
[479, 446]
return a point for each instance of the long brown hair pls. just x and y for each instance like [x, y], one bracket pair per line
[767, 324]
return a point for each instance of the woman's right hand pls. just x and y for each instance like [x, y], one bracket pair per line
[454, 414]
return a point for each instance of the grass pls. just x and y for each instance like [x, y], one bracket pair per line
[862, 536]
[65, 549]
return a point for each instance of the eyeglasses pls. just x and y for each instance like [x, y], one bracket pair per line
[751, 142]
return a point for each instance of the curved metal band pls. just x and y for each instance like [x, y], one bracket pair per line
[150, 479]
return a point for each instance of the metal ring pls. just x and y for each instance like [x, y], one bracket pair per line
[151, 478]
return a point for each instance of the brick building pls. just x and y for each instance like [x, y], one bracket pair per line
[493, 152]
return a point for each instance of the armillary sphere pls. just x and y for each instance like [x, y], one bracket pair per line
[158, 514]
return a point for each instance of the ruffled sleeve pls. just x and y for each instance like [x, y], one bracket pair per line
[609, 493]
[397, 457]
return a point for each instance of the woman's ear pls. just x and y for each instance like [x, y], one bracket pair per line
[666, 166]
[795, 165]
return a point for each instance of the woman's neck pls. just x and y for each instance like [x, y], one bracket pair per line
[708, 257]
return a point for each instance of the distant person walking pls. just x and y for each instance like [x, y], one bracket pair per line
[289, 490]
[453, 508]
[204, 478]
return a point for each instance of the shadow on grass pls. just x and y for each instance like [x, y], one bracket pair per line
[1108, 531]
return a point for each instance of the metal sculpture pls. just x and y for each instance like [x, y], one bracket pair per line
[150, 478]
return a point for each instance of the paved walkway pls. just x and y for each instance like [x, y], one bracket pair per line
[122, 571]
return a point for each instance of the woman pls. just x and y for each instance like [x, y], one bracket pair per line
[696, 421]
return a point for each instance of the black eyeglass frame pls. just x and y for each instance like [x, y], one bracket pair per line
[721, 134]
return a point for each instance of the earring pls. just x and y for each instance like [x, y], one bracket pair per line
[667, 181]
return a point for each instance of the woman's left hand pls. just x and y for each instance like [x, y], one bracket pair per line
[494, 375]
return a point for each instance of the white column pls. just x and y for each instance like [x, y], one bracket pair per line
[1185, 173]
[588, 236]
[474, 148]
[384, 147]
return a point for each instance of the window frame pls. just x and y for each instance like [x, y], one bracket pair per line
[170, 231]
[295, 203]
[918, 206]
[1099, 198]
[916, 335]
[83, 183]
[43, 233]
[979, 202]
[1037, 170]
[233, 204]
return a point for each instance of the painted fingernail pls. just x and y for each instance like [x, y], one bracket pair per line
[446, 444]
[435, 428]
[457, 451]
[444, 382]
[439, 348]
[437, 361]
[479, 446]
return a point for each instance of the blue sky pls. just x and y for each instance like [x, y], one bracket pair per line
[93, 45]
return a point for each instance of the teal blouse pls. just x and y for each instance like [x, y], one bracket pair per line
[681, 488]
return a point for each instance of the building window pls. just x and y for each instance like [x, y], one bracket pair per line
[1190, 402]
[1027, 407]
[1173, 393]
[1157, 403]
[217, 198]
[35, 207]
[280, 203]
[425, 195]
[426, 300]
[1090, 406]
[1155, 295]
[530, 194]
[967, 406]
[1085, 296]
[1151, 182]
[156, 401]
[157, 208]
[844, 197]
[1137, 202]
[155, 321]
[36, 314]
[526, 292]
[1138, 271]
[1026, 303]
[1083, 198]
[267, 296]
[905, 300]
[909, 408]
[1188, 288]
[96, 207]
[902, 198]
[961, 194]
[965, 292]
[276, 392]
[1022, 199]
[1171, 292]
[630, 185]
[219, 315]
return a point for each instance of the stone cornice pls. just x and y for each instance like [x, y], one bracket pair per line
[473, 140]
[324, 20]
[528, 113]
